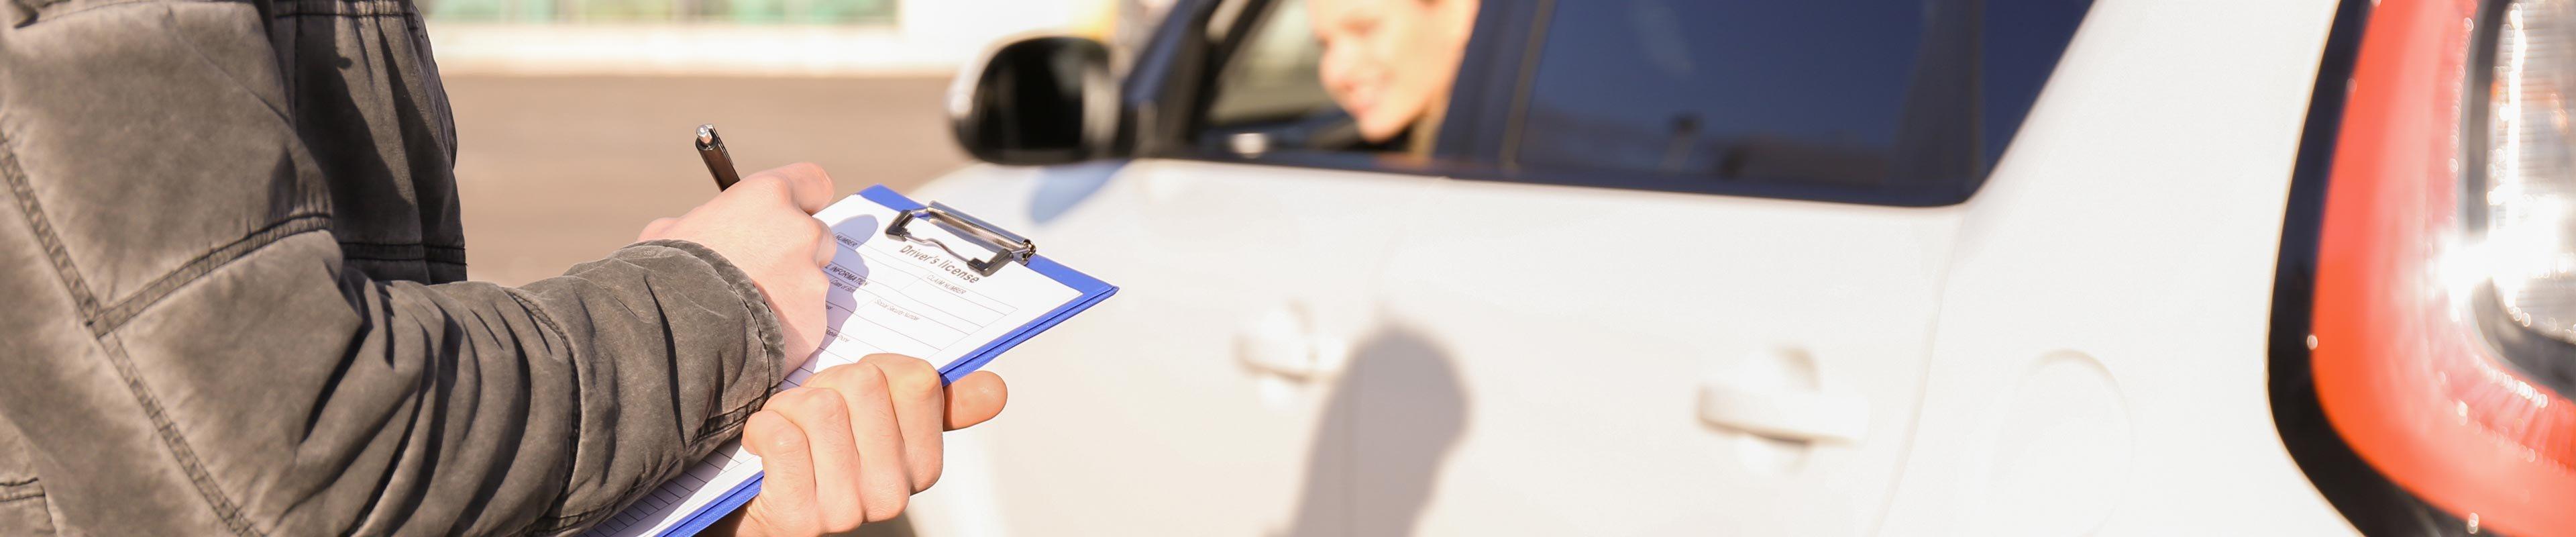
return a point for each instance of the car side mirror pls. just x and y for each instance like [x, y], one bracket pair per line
[1037, 100]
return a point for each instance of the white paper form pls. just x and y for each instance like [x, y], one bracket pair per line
[887, 295]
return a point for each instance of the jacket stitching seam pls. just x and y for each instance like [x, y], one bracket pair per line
[102, 320]
[26, 496]
[16, 176]
[170, 283]
[176, 444]
[34, 212]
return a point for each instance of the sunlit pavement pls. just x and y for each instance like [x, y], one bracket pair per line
[555, 171]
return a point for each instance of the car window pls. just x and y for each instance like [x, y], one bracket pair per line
[1345, 80]
[1905, 102]
[1271, 77]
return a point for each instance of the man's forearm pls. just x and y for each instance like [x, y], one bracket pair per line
[277, 394]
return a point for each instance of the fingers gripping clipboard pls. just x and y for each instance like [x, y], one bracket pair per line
[924, 280]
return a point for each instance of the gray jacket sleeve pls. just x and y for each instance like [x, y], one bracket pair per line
[545, 408]
[190, 343]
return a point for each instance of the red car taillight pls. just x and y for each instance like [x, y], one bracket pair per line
[2446, 270]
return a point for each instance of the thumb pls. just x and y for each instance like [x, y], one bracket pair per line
[976, 398]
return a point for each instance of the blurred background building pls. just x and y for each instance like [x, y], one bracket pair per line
[756, 37]
[571, 114]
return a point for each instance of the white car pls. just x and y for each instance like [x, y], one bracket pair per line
[1896, 267]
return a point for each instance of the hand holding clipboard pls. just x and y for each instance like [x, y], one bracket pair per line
[906, 279]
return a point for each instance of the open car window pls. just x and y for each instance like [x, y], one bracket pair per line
[1269, 97]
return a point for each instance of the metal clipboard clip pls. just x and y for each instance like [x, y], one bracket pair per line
[1007, 247]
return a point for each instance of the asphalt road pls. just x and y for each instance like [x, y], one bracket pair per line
[554, 171]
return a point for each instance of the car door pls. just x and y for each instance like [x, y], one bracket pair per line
[1697, 296]
[1189, 404]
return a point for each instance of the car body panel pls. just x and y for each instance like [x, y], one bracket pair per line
[2079, 348]
[2100, 361]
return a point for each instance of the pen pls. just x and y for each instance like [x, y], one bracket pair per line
[719, 162]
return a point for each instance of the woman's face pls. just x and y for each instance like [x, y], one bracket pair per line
[1388, 62]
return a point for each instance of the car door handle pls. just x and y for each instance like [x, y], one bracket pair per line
[1785, 413]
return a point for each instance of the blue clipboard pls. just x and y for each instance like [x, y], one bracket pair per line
[1093, 291]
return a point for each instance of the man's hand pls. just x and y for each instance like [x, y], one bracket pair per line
[765, 225]
[854, 443]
